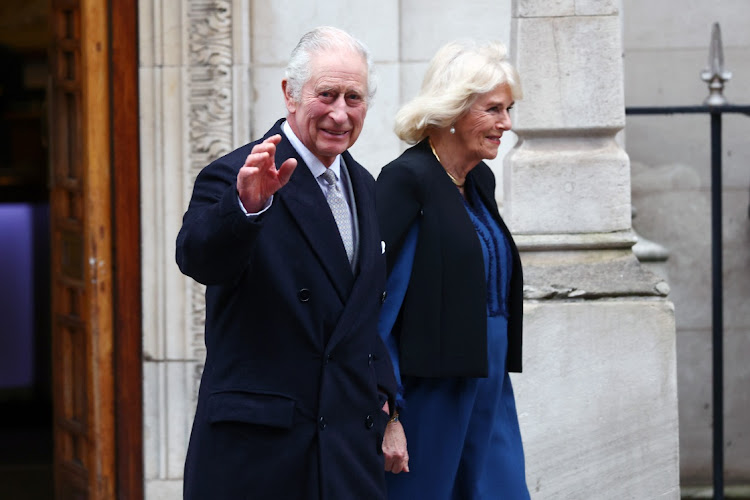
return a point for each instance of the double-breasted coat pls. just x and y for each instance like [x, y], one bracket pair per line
[295, 374]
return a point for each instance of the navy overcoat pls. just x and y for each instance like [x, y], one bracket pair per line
[295, 372]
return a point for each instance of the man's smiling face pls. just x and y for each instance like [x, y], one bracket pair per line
[332, 106]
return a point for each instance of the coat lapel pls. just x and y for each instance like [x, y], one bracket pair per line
[307, 204]
[308, 207]
[366, 215]
[488, 197]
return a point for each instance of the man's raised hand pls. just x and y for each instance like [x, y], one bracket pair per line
[258, 178]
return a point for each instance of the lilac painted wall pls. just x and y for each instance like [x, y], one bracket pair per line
[16, 296]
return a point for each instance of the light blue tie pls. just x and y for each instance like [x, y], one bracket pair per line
[340, 210]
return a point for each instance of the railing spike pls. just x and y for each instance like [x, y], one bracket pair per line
[715, 74]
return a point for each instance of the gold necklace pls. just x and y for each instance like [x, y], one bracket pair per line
[458, 185]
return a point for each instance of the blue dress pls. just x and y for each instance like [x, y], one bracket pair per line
[462, 434]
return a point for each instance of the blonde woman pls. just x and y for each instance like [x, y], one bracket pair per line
[457, 332]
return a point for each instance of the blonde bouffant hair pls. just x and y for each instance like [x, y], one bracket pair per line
[459, 73]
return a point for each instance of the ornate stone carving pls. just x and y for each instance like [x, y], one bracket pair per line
[210, 71]
[210, 113]
[197, 320]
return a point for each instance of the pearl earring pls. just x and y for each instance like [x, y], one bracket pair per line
[452, 130]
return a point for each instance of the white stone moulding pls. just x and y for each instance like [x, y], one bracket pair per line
[210, 104]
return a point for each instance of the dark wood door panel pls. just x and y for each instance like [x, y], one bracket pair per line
[83, 373]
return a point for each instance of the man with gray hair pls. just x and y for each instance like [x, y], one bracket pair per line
[294, 395]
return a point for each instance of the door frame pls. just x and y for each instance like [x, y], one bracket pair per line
[126, 244]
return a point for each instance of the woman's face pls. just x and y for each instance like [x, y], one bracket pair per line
[481, 127]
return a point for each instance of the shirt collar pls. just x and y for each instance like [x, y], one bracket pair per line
[313, 163]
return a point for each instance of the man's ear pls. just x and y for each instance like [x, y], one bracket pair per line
[291, 105]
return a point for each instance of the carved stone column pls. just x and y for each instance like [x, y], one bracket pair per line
[195, 106]
[598, 396]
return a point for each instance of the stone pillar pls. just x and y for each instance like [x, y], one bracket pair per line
[598, 396]
[195, 106]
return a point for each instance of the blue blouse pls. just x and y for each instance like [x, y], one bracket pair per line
[496, 250]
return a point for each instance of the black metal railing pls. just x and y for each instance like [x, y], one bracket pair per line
[715, 105]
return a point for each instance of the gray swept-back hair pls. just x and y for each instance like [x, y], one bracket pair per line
[459, 73]
[323, 38]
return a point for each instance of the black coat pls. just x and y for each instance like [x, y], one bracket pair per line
[290, 396]
[442, 328]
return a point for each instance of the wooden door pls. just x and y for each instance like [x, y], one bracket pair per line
[80, 201]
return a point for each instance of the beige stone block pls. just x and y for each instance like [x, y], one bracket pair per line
[378, 144]
[242, 35]
[164, 194]
[687, 161]
[586, 273]
[672, 77]
[686, 24]
[736, 256]
[565, 186]
[411, 78]
[170, 395]
[146, 34]
[268, 98]
[275, 32]
[242, 105]
[696, 415]
[151, 432]
[571, 70]
[664, 78]
[694, 362]
[685, 141]
[174, 152]
[497, 165]
[171, 27]
[427, 25]
[560, 8]
[542, 8]
[664, 217]
[150, 121]
[597, 400]
[180, 387]
[174, 338]
[598, 7]
[163, 489]
[737, 402]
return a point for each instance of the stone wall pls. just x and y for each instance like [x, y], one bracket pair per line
[597, 400]
[666, 48]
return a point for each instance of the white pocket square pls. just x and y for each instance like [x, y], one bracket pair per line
[382, 247]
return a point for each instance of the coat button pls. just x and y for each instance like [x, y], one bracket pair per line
[322, 423]
[369, 422]
[303, 295]
[369, 359]
[382, 297]
[329, 358]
